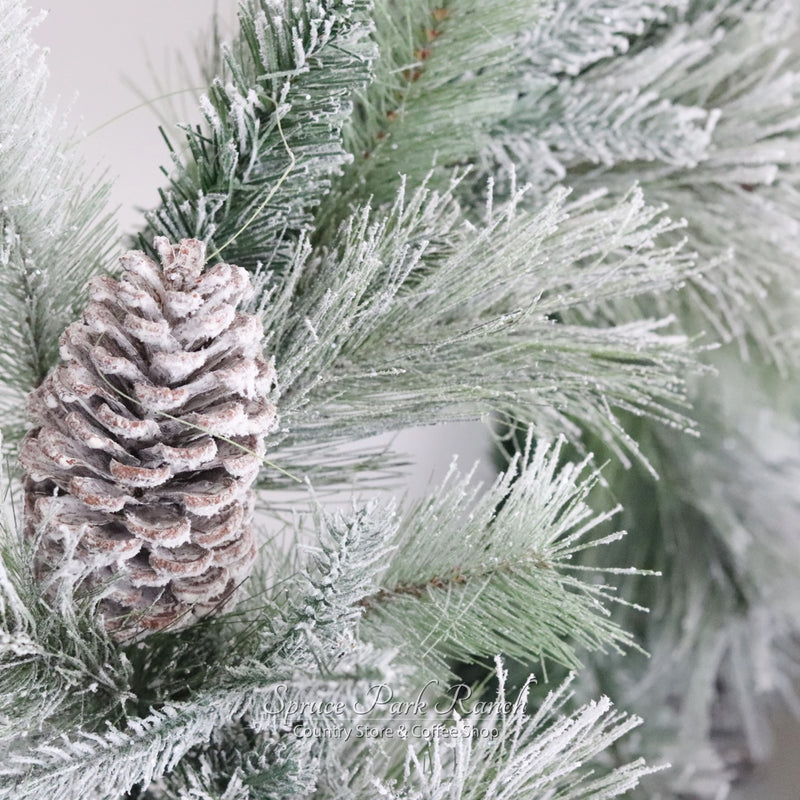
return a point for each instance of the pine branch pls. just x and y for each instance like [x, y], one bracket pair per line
[740, 490]
[718, 527]
[238, 770]
[572, 112]
[56, 663]
[578, 124]
[580, 33]
[752, 174]
[476, 309]
[505, 754]
[272, 140]
[742, 204]
[323, 317]
[107, 766]
[53, 230]
[493, 574]
[443, 67]
[744, 65]
[325, 597]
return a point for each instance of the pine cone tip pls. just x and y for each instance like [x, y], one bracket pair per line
[182, 263]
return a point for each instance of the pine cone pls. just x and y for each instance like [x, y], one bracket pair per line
[148, 438]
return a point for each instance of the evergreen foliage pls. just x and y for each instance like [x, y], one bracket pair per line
[54, 229]
[526, 601]
[282, 93]
[575, 220]
[480, 345]
[713, 680]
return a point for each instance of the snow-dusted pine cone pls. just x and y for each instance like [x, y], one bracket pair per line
[147, 439]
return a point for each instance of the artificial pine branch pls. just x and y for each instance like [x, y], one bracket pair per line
[549, 753]
[441, 67]
[271, 140]
[576, 35]
[740, 61]
[492, 345]
[493, 574]
[329, 295]
[730, 505]
[57, 663]
[738, 65]
[307, 645]
[54, 229]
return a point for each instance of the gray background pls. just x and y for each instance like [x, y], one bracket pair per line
[93, 46]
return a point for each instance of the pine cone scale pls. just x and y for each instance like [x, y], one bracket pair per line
[139, 477]
[171, 531]
[156, 334]
[169, 369]
[98, 495]
[201, 589]
[160, 398]
[118, 543]
[92, 436]
[220, 528]
[125, 425]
